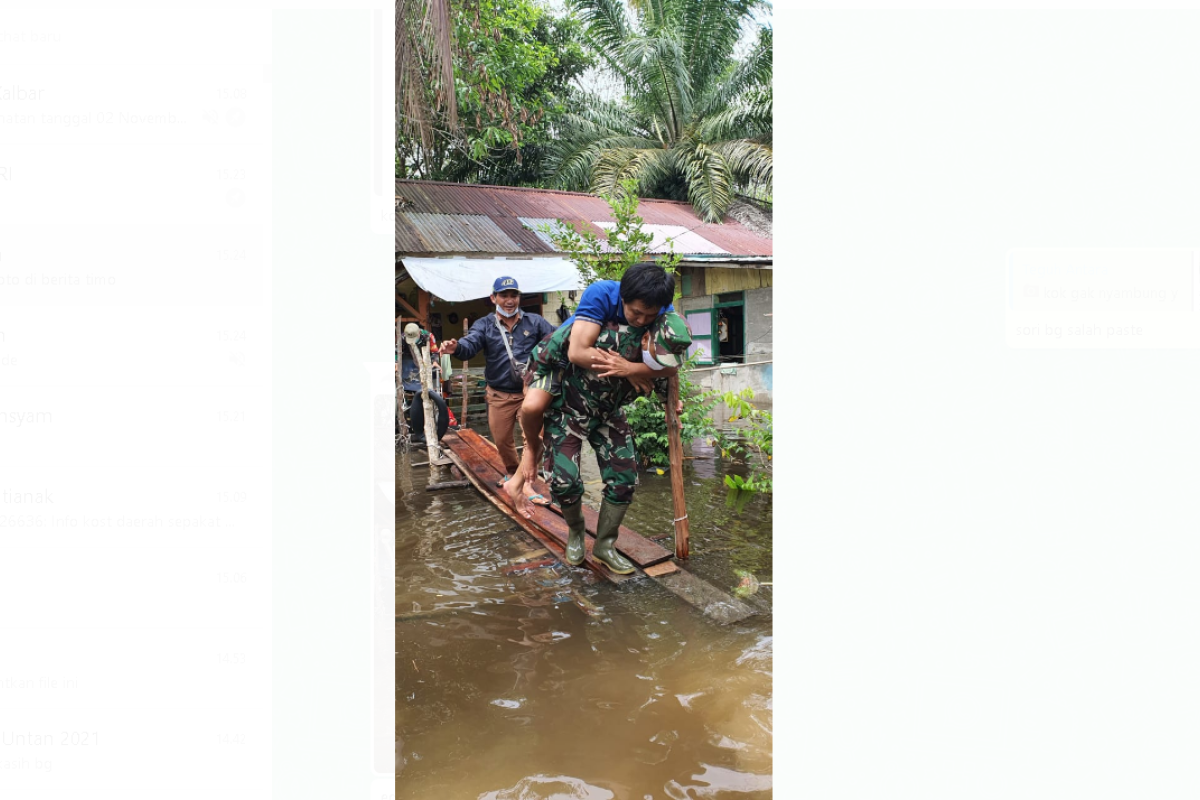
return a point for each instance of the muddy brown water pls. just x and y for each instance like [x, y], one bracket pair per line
[547, 684]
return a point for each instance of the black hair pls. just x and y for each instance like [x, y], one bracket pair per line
[649, 283]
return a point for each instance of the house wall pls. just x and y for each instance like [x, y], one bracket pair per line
[735, 378]
[758, 311]
[553, 301]
[759, 324]
[718, 280]
[757, 374]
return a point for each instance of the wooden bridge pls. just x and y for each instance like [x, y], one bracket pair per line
[479, 461]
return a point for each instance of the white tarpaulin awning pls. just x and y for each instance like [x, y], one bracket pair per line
[458, 279]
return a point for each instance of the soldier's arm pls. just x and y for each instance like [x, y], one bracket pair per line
[610, 365]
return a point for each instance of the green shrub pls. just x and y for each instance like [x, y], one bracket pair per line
[647, 418]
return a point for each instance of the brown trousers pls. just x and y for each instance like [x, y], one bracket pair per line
[504, 409]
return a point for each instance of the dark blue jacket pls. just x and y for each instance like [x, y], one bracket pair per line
[485, 335]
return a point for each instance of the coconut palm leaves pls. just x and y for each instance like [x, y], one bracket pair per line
[695, 123]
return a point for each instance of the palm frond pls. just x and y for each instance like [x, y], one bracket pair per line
[710, 30]
[710, 186]
[647, 165]
[654, 15]
[570, 158]
[751, 117]
[664, 86]
[750, 75]
[604, 22]
[749, 163]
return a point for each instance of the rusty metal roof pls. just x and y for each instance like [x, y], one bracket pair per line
[462, 233]
[454, 218]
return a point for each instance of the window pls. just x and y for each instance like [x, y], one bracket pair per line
[700, 321]
[729, 314]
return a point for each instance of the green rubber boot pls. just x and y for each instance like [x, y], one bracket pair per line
[605, 549]
[573, 514]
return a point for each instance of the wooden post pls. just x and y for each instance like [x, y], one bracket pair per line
[423, 307]
[675, 450]
[462, 422]
[404, 305]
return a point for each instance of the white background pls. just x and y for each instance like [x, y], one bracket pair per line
[992, 568]
[196, 238]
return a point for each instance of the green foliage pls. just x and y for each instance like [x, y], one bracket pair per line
[647, 418]
[695, 122]
[513, 65]
[751, 445]
[607, 257]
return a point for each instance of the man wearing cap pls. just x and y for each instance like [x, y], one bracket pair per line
[506, 339]
[588, 405]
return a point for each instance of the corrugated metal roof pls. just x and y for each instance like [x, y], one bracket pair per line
[461, 233]
[445, 218]
[677, 238]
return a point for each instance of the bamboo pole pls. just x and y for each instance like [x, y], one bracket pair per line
[462, 422]
[675, 450]
[421, 357]
[400, 383]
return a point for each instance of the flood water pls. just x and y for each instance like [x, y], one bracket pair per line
[552, 684]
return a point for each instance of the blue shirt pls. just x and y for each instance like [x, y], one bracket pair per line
[485, 335]
[601, 303]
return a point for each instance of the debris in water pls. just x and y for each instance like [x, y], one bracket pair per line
[585, 605]
[507, 703]
[749, 584]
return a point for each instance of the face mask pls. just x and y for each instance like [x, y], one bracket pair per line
[649, 361]
[507, 314]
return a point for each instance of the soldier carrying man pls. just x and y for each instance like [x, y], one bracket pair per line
[575, 404]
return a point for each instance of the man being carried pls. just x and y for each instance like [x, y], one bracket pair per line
[578, 404]
[642, 295]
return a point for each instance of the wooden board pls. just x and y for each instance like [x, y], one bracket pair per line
[632, 544]
[437, 487]
[547, 526]
[715, 603]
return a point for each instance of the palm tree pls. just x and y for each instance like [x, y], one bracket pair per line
[695, 122]
[424, 66]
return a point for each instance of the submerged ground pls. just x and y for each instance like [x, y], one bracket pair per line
[544, 684]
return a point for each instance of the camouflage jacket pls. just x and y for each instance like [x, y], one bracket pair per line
[583, 393]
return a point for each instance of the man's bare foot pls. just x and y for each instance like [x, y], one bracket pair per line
[515, 489]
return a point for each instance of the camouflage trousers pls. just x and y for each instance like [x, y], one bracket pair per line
[612, 440]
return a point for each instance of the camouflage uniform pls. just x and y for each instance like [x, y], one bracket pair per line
[588, 407]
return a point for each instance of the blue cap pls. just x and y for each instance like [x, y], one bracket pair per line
[505, 284]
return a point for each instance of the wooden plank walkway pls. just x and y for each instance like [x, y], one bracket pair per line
[636, 547]
[480, 463]
[546, 525]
